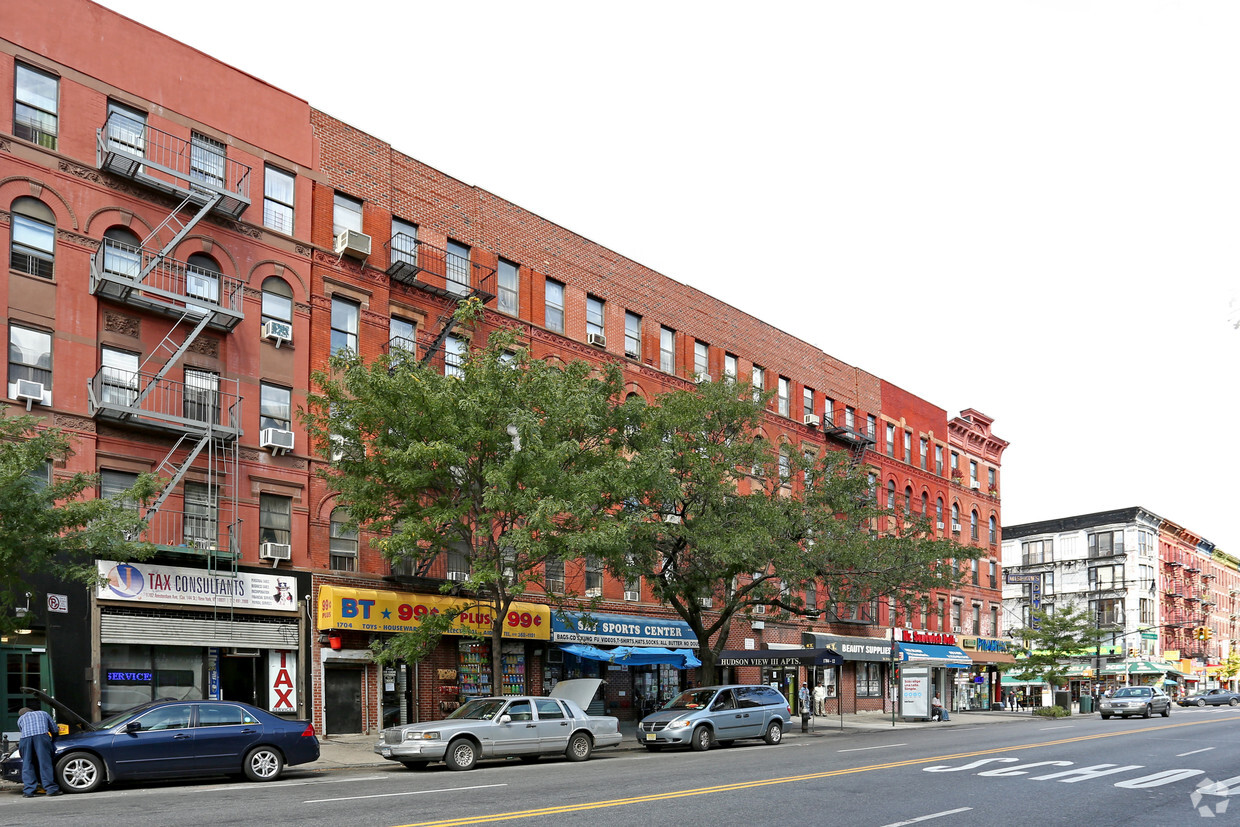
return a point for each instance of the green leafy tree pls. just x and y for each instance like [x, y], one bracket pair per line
[728, 522]
[1230, 666]
[47, 527]
[507, 462]
[1052, 639]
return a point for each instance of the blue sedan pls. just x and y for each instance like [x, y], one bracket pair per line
[177, 739]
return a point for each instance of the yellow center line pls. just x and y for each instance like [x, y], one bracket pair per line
[745, 785]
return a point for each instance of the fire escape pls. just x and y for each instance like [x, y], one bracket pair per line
[199, 414]
[854, 440]
[445, 275]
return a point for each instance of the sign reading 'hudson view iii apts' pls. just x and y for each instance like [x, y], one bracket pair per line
[144, 583]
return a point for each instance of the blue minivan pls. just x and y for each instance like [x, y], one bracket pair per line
[711, 715]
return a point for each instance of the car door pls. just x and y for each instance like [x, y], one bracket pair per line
[157, 743]
[554, 725]
[224, 734]
[519, 734]
[726, 716]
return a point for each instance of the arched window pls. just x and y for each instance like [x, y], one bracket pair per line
[33, 248]
[973, 524]
[938, 512]
[277, 300]
[343, 542]
[955, 516]
[908, 499]
[925, 503]
[994, 537]
[891, 494]
[202, 278]
[122, 253]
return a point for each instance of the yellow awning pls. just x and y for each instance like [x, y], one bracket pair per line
[370, 610]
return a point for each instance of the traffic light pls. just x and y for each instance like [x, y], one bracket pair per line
[1199, 633]
[1134, 652]
[1206, 633]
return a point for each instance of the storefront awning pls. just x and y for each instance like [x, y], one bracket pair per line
[952, 657]
[1013, 681]
[779, 657]
[849, 647]
[368, 610]
[635, 655]
[988, 650]
[1140, 667]
[621, 630]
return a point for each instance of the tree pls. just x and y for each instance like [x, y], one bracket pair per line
[506, 462]
[728, 522]
[47, 526]
[1051, 639]
[1229, 667]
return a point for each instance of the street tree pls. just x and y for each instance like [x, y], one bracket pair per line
[730, 523]
[50, 525]
[1051, 640]
[503, 462]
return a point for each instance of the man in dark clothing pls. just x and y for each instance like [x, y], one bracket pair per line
[36, 749]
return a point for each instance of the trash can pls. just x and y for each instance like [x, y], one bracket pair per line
[1063, 699]
[1087, 704]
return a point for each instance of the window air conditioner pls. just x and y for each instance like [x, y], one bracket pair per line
[759, 610]
[956, 527]
[594, 592]
[278, 332]
[939, 526]
[596, 339]
[277, 439]
[29, 392]
[813, 421]
[974, 484]
[704, 377]
[632, 354]
[757, 625]
[957, 629]
[275, 551]
[352, 243]
[674, 519]
[632, 595]
[458, 576]
[706, 602]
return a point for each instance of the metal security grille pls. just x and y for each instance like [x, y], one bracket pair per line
[183, 631]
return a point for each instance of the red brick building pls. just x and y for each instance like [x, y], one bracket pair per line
[211, 237]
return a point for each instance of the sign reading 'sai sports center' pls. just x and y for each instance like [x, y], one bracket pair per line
[146, 583]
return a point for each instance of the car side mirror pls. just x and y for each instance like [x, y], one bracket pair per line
[133, 726]
[505, 719]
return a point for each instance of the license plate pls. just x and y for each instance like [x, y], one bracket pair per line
[385, 751]
[650, 736]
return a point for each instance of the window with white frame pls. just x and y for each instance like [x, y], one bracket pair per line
[828, 411]
[993, 533]
[701, 358]
[277, 300]
[1106, 543]
[938, 460]
[119, 376]
[871, 426]
[554, 294]
[114, 485]
[202, 278]
[993, 574]
[730, 366]
[122, 253]
[1035, 552]
[972, 472]
[275, 519]
[923, 452]
[346, 315]
[632, 335]
[36, 106]
[30, 358]
[594, 316]
[807, 402]
[891, 440]
[908, 447]
[202, 396]
[509, 277]
[784, 396]
[973, 525]
[667, 350]
[346, 214]
[199, 526]
[869, 680]
[404, 248]
[991, 479]
[206, 160]
[757, 378]
[343, 542]
[279, 188]
[1106, 577]
[454, 356]
[594, 575]
[458, 267]
[32, 249]
[126, 129]
[275, 407]
[402, 335]
[553, 576]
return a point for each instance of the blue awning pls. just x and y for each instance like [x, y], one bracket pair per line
[635, 655]
[621, 630]
[952, 657]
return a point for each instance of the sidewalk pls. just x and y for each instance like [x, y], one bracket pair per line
[340, 751]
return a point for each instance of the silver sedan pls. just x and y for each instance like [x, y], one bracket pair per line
[521, 726]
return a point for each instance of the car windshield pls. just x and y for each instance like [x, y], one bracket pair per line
[692, 699]
[1132, 692]
[482, 709]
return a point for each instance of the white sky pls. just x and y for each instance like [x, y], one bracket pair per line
[1028, 208]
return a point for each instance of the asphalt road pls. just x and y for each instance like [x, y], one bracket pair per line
[1079, 770]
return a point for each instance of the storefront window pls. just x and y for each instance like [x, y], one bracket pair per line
[133, 674]
[869, 680]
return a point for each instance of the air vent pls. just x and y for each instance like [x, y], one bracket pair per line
[353, 243]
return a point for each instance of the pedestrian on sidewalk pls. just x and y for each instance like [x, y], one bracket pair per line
[820, 699]
[36, 747]
[805, 698]
[937, 713]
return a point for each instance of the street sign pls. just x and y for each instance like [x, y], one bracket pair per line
[58, 603]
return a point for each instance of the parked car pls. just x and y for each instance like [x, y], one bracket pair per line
[1213, 697]
[523, 726]
[174, 739]
[719, 715]
[1136, 700]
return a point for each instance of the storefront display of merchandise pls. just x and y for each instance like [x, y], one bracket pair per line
[474, 672]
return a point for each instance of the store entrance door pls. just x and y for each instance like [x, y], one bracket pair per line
[342, 700]
[23, 667]
[239, 679]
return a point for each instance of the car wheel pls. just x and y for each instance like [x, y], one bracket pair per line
[1106, 717]
[79, 772]
[700, 740]
[579, 747]
[1201, 702]
[1166, 713]
[263, 764]
[774, 733]
[462, 755]
[726, 743]
[1148, 711]
[1233, 702]
[413, 765]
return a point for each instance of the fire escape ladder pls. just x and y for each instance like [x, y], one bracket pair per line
[177, 471]
[174, 350]
[445, 329]
[208, 200]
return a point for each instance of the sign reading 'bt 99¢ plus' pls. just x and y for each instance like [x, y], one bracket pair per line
[370, 610]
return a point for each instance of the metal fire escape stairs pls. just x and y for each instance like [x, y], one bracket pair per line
[205, 181]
